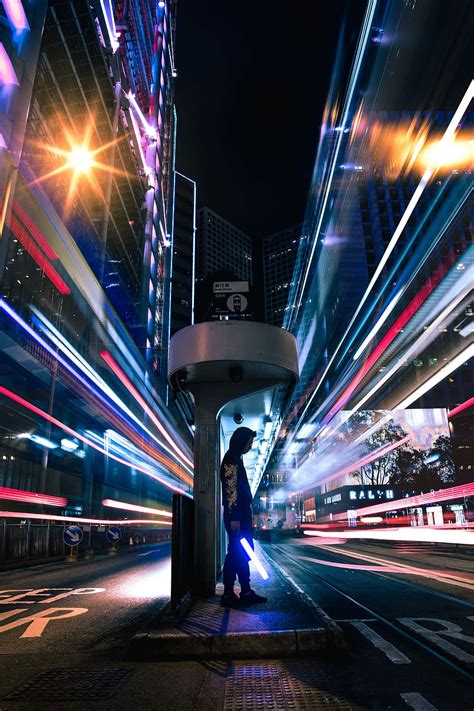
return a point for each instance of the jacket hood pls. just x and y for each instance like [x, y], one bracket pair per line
[239, 439]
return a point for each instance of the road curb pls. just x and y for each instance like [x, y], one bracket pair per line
[173, 645]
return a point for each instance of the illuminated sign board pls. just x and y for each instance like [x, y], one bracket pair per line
[369, 494]
[231, 299]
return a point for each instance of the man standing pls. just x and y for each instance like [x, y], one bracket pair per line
[237, 501]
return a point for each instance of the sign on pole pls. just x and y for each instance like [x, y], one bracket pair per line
[231, 299]
[113, 534]
[72, 535]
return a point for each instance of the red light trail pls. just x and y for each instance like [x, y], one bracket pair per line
[38, 256]
[460, 408]
[115, 368]
[391, 334]
[31, 497]
[33, 408]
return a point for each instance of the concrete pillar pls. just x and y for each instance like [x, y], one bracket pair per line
[205, 501]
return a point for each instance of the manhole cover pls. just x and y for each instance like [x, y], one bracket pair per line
[74, 684]
[275, 686]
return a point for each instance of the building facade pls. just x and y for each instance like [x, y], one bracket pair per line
[220, 246]
[280, 251]
[182, 272]
[85, 256]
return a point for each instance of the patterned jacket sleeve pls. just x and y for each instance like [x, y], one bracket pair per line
[230, 488]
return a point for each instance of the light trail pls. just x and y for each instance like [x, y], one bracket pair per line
[114, 367]
[382, 565]
[415, 304]
[410, 502]
[448, 135]
[33, 408]
[124, 505]
[460, 408]
[34, 230]
[378, 325]
[416, 347]
[65, 347]
[80, 519]
[355, 70]
[419, 534]
[31, 497]
[442, 373]
[37, 255]
[377, 454]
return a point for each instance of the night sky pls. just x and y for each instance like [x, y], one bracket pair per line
[253, 81]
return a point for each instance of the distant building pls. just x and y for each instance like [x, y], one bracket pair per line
[280, 251]
[221, 246]
[182, 272]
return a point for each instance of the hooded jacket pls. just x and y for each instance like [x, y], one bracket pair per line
[236, 494]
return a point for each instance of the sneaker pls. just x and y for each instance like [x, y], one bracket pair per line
[229, 600]
[251, 598]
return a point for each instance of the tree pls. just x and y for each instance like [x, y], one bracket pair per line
[443, 467]
[384, 470]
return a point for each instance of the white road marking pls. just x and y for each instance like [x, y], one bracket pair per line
[38, 621]
[8, 593]
[448, 629]
[417, 702]
[44, 592]
[149, 552]
[388, 649]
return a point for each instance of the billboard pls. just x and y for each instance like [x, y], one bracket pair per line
[406, 449]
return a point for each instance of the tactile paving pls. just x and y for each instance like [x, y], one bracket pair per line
[279, 686]
[72, 684]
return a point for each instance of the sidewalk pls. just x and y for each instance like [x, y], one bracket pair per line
[288, 624]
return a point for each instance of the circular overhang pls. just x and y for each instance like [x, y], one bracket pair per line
[214, 352]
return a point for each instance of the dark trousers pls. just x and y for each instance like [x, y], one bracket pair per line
[236, 563]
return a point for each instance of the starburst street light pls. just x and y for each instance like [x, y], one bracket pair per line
[81, 159]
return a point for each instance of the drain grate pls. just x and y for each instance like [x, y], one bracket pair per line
[279, 686]
[73, 684]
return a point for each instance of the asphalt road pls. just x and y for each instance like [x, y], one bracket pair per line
[91, 606]
[410, 634]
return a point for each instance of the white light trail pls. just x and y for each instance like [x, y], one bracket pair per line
[442, 373]
[447, 136]
[149, 130]
[361, 46]
[65, 347]
[125, 506]
[377, 325]
[418, 345]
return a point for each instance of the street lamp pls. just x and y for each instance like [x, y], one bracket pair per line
[80, 159]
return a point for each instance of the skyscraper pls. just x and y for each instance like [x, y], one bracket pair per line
[221, 246]
[87, 128]
[280, 251]
[104, 84]
[182, 272]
